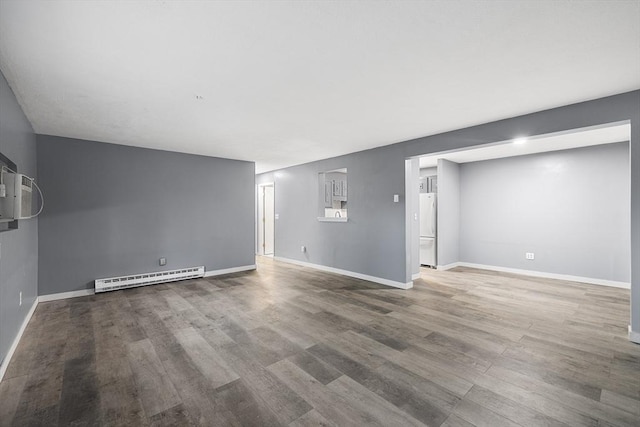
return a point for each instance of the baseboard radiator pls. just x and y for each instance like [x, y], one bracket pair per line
[135, 280]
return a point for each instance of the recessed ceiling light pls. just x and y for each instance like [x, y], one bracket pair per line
[519, 141]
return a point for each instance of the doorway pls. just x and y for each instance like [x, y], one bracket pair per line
[488, 218]
[266, 219]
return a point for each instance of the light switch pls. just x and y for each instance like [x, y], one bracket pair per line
[277, 216]
[396, 198]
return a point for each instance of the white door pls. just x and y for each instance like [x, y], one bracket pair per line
[260, 221]
[269, 223]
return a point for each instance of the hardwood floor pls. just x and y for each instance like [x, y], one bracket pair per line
[286, 345]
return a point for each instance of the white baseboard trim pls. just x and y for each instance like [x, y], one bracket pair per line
[65, 295]
[567, 277]
[634, 336]
[229, 270]
[16, 341]
[447, 266]
[374, 279]
[415, 276]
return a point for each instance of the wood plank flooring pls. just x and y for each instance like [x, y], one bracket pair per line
[286, 345]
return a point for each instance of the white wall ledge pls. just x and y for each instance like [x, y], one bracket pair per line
[332, 219]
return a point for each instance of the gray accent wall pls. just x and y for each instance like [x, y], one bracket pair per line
[114, 210]
[448, 208]
[373, 241]
[570, 208]
[18, 248]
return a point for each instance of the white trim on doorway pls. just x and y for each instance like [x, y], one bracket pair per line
[261, 217]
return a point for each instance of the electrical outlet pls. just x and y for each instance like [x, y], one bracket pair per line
[303, 249]
[529, 255]
[20, 297]
[163, 261]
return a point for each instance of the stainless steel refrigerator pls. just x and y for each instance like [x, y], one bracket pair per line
[428, 229]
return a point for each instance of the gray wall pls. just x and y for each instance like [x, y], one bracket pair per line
[448, 206]
[373, 242]
[113, 210]
[19, 248]
[571, 208]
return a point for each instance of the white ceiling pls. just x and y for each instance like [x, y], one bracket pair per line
[289, 82]
[537, 144]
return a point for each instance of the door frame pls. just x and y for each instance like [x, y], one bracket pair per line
[260, 217]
